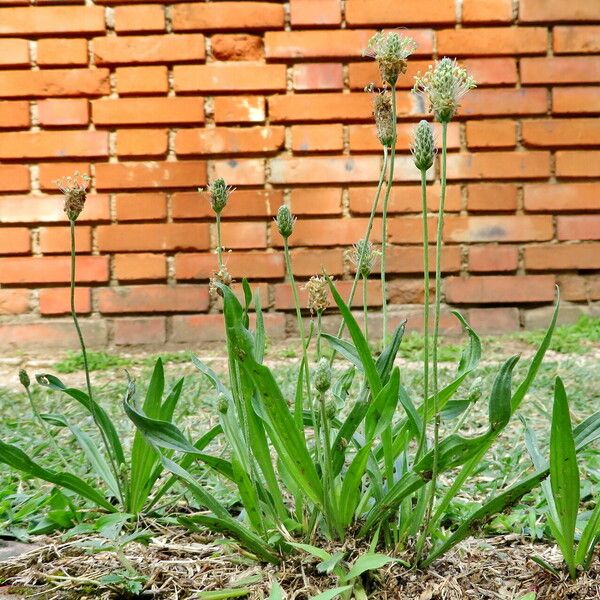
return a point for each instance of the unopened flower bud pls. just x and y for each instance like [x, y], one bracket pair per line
[24, 378]
[391, 51]
[330, 408]
[74, 188]
[322, 376]
[364, 255]
[219, 193]
[285, 221]
[318, 290]
[443, 87]
[384, 119]
[423, 147]
[222, 404]
[475, 391]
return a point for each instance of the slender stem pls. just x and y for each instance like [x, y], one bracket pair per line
[426, 302]
[384, 234]
[219, 247]
[366, 307]
[436, 329]
[319, 315]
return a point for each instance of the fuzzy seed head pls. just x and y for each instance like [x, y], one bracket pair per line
[318, 294]
[391, 51]
[443, 87]
[285, 221]
[74, 189]
[322, 377]
[221, 276]
[364, 256]
[384, 119]
[219, 193]
[24, 378]
[423, 146]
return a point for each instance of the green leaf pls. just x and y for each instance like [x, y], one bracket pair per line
[351, 486]
[276, 592]
[385, 361]
[500, 399]
[564, 473]
[344, 348]
[260, 337]
[381, 410]
[332, 593]
[312, 550]
[368, 562]
[224, 594]
[589, 537]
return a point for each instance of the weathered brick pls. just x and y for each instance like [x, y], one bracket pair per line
[140, 267]
[14, 53]
[318, 76]
[316, 44]
[491, 321]
[50, 209]
[54, 82]
[56, 52]
[152, 236]
[491, 41]
[53, 144]
[14, 115]
[142, 80]
[574, 100]
[229, 140]
[560, 69]
[284, 298]
[140, 18]
[578, 227]
[499, 289]
[335, 169]
[52, 334]
[14, 178]
[143, 111]
[314, 261]
[148, 49]
[557, 197]
[568, 39]
[493, 258]
[487, 102]
[499, 165]
[228, 76]
[377, 12]
[144, 175]
[578, 163]
[57, 240]
[490, 11]
[253, 265]
[498, 228]
[139, 330]
[243, 171]
[237, 46]
[57, 301]
[41, 20]
[15, 240]
[62, 112]
[491, 134]
[239, 109]
[141, 207]
[242, 204]
[223, 16]
[328, 232]
[492, 197]
[142, 142]
[542, 11]
[317, 138]
[311, 13]
[14, 302]
[152, 299]
[562, 257]
[316, 201]
[561, 132]
[238, 236]
[52, 269]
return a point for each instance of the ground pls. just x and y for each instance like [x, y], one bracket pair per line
[178, 564]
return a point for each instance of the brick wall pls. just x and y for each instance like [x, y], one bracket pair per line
[154, 100]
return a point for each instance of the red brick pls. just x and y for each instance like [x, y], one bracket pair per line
[142, 142]
[409, 259]
[404, 199]
[52, 334]
[284, 299]
[362, 73]
[236, 46]
[144, 175]
[227, 76]
[49, 173]
[492, 71]
[318, 76]
[578, 163]
[306, 263]
[142, 80]
[63, 112]
[493, 258]
[574, 100]
[244, 171]
[562, 257]
[558, 10]
[328, 232]
[316, 201]
[492, 197]
[14, 115]
[316, 44]
[311, 13]
[492, 40]
[51, 20]
[50, 209]
[242, 204]
[229, 140]
[141, 207]
[253, 265]
[578, 227]
[62, 52]
[15, 240]
[52, 269]
[14, 178]
[560, 69]
[139, 238]
[54, 82]
[563, 132]
[377, 12]
[57, 240]
[143, 111]
[490, 11]
[504, 102]
[558, 197]
[491, 321]
[317, 138]
[499, 289]
[363, 138]
[576, 40]
[239, 236]
[14, 53]
[409, 230]
[573, 288]
[139, 267]
[321, 107]
[491, 134]
[152, 299]
[139, 330]
[14, 302]
[53, 144]
[239, 109]
[499, 165]
[147, 49]
[57, 301]
[498, 228]
[223, 16]
[140, 18]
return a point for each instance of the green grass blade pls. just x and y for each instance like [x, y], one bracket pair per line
[344, 348]
[332, 593]
[500, 398]
[260, 338]
[382, 408]
[385, 361]
[224, 594]
[589, 537]
[351, 486]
